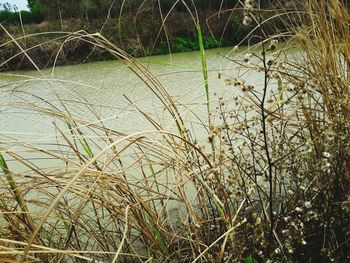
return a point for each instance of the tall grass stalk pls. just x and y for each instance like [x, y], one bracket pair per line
[268, 180]
[23, 209]
[204, 67]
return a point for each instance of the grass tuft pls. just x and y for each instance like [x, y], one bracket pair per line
[266, 181]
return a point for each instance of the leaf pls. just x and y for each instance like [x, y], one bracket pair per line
[204, 64]
[87, 148]
[11, 182]
[250, 259]
[280, 90]
[161, 241]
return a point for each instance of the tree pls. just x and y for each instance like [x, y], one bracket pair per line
[32, 3]
[7, 7]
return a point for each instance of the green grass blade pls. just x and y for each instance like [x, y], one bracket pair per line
[220, 209]
[87, 148]
[280, 93]
[160, 239]
[250, 259]
[204, 65]
[11, 182]
[149, 253]
[17, 194]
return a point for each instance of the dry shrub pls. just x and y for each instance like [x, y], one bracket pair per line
[270, 181]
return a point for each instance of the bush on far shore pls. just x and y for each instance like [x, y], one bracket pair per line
[27, 17]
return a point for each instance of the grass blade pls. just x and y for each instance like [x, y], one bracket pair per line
[11, 182]
[204, 65]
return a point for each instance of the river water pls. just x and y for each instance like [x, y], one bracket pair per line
[31, 103]
[101, 90]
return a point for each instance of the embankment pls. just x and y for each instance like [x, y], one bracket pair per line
[51, 42]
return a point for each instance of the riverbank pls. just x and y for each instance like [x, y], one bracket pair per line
[54, 42]
[236, 158]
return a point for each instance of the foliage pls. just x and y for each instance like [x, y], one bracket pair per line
[93, 9]
[27, 17]
[187, 44]
[250, 259]
[268, 181]
[54, 9]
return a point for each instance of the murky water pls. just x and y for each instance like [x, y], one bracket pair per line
[108, 93]
[103, 91]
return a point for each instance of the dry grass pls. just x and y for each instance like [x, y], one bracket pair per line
[271, 180]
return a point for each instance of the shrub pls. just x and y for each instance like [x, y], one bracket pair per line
[269, 182]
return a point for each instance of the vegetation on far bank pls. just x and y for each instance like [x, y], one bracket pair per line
[142, 36]
[93, 9]
[140, 29]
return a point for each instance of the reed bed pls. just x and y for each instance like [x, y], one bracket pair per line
[268, 183]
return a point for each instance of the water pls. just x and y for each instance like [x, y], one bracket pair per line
[31, 104]
[102, 91]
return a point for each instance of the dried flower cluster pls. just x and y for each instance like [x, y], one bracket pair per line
[265, 178]
[249, 7]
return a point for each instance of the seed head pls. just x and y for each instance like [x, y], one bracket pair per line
[270, 62]
[298, 209]
[248, 2]
[247, 20]
[273, 44]
[308, 204]
[277, 251]
[247, 57]
[248, 8]
[326, 155]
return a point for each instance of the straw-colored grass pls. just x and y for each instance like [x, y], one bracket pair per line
[270, 182]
